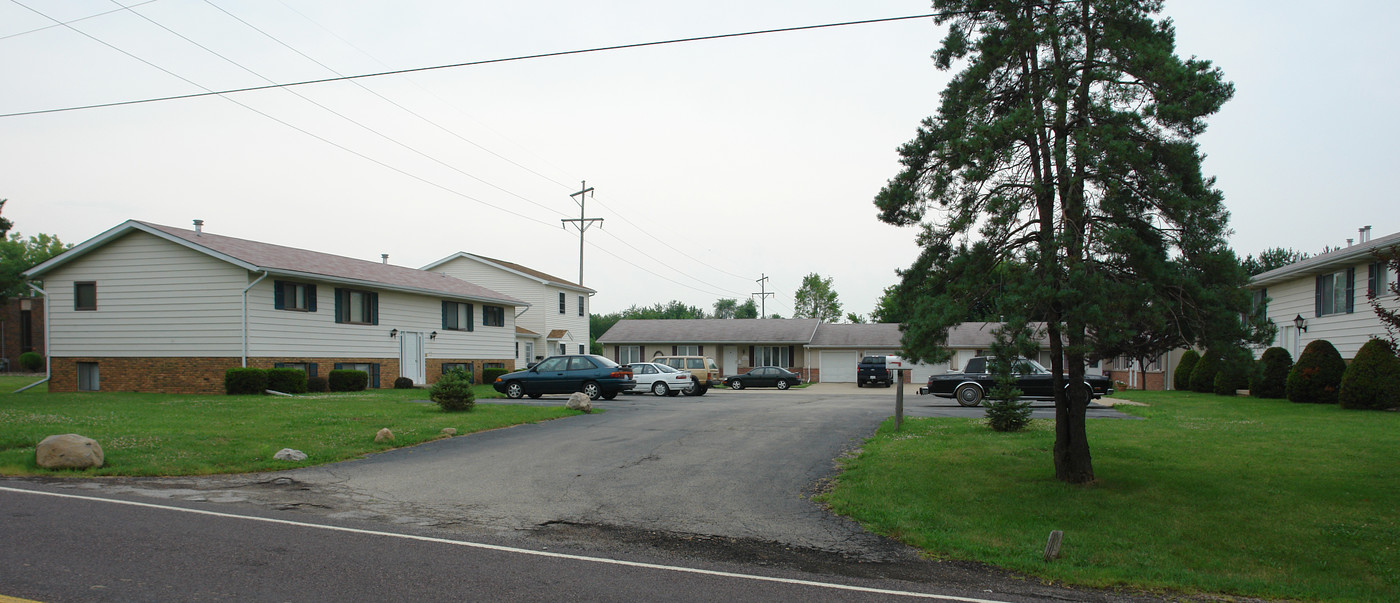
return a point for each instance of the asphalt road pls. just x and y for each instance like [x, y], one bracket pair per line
[723, 479]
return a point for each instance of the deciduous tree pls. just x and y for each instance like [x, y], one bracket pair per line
[816, 299]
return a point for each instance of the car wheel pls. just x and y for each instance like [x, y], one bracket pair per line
[610, 396]
[592, 390]
[515, 390]
[535, 396]
[659, 388]
[859, 384]
[736, 384]
[695, 388]
[969, 395]
[782, 384]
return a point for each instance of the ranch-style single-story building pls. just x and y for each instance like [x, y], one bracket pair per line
[152, 308]
[820, 352]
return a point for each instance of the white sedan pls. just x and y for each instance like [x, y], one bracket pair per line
[662, 380]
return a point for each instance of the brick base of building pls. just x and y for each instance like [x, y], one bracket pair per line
[1154, 380]
[206, 375]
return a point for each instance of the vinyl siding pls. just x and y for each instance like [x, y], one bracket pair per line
[1346, 332]
[154, 298]
[543, 314]
[288, 333]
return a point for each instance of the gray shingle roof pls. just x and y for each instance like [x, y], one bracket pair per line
[1326, 262]
[278, 259]
[877, 335]
[711, 330]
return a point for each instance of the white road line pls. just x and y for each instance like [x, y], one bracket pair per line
[519, 551]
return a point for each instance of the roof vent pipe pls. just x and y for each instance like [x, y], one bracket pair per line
[1368, 234]
[1349, 242]
[384, 257]
[199, 227]
[1361, 235]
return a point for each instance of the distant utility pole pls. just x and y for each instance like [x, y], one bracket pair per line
[581, 222]
[763, 295]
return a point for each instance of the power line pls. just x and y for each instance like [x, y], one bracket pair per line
[62, 23]
[469, 63]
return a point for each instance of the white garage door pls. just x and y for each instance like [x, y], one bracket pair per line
[838, 367]
[922, 371]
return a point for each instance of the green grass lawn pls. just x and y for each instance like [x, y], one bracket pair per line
[165, 434]
[1208, 494]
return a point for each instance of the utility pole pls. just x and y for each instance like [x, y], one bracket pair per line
[581, 223]
[763, 295]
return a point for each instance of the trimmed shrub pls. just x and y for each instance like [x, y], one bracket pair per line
[1271, 377]
[317, 385]
[1181, 377]
[346, 380]
[403, 383]
[1317, 375]
[31, 361]
[1236, 366]
[243, 381]
[286, 380]
[1372, 380]
[1203, 374]
[488, 375]
[453, 392]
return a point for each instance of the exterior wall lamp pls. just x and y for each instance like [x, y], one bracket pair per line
[1300, 323]
[432, 335]
[393, 333]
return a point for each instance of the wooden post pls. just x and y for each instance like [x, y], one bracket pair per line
[1052, 548]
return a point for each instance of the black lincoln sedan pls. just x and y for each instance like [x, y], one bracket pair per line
[594, 375]
[975, 382]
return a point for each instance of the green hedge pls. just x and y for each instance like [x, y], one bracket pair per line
[1271, 378]
[286, 380]
[346, 380]
[1317, 376]
[488, 376]
[243, 381]
[1181, 377]
[31, 361]
[1236, 366]
[1372, 380]
[1203, 374]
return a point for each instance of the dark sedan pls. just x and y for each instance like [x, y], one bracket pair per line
[976, 381]
[593, 375]
[764, 376]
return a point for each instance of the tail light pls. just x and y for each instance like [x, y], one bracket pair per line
[620, 374]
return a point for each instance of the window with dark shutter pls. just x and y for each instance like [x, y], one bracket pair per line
[356, 307]
[288, 295]
[458, 316]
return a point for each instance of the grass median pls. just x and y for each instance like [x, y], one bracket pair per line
[1211, 494]
[167, 434]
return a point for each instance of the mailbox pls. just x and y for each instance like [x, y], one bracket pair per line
[894, 363]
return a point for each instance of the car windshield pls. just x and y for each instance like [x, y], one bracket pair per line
[603, 361]
[665, 369]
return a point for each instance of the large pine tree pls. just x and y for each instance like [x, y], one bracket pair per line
[1065, 143]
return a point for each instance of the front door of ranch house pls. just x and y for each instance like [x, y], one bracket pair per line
[411, 362]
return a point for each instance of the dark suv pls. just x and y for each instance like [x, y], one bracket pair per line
[596, 376]
[872, 371]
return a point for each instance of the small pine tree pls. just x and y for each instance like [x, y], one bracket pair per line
[1317, 375]
[1181, 377]
[1372, 380]
[1203, 374]
[1271, 378]
[453, 391]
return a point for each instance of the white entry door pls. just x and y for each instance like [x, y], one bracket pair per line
[731, 360]
[411, 357]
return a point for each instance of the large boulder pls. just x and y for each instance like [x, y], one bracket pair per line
[579, 401]
[289, 454]
[384, 435]
[68, 451]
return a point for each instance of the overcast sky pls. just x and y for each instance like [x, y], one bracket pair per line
[713, 162]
